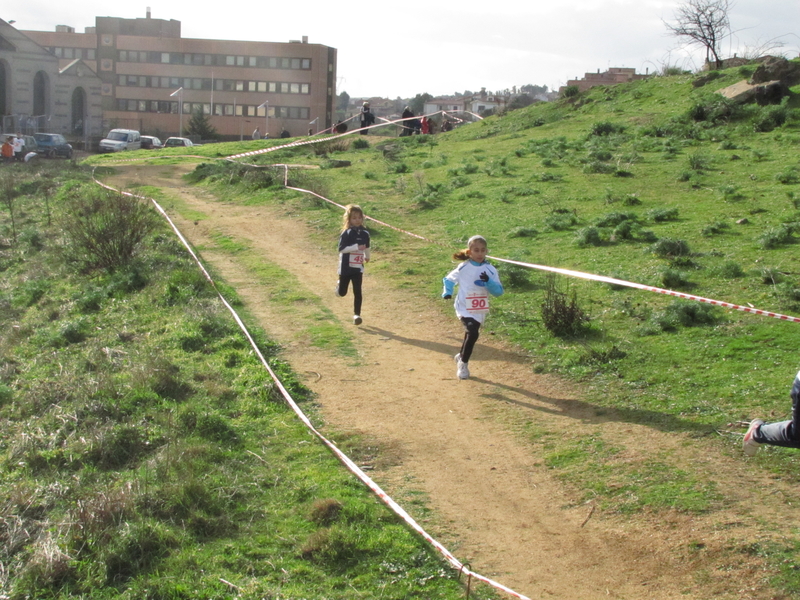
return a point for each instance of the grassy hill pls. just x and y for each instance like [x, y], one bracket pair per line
[133, 416]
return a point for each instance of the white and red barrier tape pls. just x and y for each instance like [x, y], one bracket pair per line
[353, 467]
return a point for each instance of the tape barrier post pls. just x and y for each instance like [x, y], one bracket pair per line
[343, 458]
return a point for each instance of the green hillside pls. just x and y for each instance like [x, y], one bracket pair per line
[134, 416]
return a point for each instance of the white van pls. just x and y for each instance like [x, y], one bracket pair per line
[118, 140]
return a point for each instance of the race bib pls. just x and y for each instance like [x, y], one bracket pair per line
[357, 259]
[478, 302]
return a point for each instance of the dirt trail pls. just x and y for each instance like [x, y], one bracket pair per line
[494, 502]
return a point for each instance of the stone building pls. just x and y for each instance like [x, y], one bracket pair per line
[613, 76]
[39, 93]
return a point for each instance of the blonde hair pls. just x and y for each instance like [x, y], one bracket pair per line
[349, 210]
[475, 239]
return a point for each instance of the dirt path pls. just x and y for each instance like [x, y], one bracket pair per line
[494, 502]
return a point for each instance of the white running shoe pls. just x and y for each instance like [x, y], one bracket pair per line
[357, 320]
[462, 371]
[749, 445]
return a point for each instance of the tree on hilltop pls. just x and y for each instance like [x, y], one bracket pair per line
[704, 23]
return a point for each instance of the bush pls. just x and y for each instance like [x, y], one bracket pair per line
[714, 228]
[770, 276]
[672, 279]
[523, 232]
[660, 215]
[666, 247]
[360, 143]
[561, 314]
[571, 91]
[777, 236]
[686, 314]
[606, 128]
[730, 270]
[770, 117]
[588, 236]
[560, 221]
[788, 176]
[615, 218]
[105, 229]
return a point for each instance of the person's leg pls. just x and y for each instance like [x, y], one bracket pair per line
[783, 433]
[344, 282]
[357, 278]
[471, 333]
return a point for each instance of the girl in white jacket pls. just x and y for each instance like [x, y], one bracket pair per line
[476, 280]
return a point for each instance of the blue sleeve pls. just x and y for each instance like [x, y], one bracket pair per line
[449, 286]
[493, 285]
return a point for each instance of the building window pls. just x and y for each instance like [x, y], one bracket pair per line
[132, 105]
[230, 60]
[90, 54]
[238, 110]
[142, 107]
[284, 88]
[239, 86]
[165, 57]
[273, 87]
[58, 52]
[294, 88]
[295, 63]
[229, 110]
[240, 61]
[262, 86]
[208, 59]
[142, 81]
[251, 61]
[251, 86]
[273, 63]
[306, 63]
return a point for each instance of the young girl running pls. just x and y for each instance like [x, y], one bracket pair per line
[353, 254]
[476, 279]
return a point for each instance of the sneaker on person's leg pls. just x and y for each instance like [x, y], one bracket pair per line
[750, 445]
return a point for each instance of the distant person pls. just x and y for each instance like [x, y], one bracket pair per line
[408, 115]
[19, 147]
[285, 134]
[256, 134]
[447, 125]
[7, 150]
[424, 125]
[367, 118]
[476, 280]
[340, 127]
[783, 433]
[353, 255]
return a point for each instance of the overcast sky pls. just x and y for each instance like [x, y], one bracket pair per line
[393, 49]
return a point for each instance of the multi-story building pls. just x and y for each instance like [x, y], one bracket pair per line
[154, 80]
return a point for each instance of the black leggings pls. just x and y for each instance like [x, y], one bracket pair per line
[344, 280]
[472, 329]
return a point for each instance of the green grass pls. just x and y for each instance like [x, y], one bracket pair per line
[146, 453]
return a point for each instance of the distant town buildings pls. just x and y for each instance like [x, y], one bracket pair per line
[613, 76]
[152, 79]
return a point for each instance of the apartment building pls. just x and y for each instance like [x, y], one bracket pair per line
[153, 80]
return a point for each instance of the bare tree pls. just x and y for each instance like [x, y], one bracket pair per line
[705, 23]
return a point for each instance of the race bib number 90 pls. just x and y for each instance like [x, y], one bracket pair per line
[477, 303]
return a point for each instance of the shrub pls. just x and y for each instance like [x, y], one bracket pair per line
[686, 314]
[732, 193]
[788, 176]
[560, 221]
[105, 229]
[606, 128]
[699, 161]
[360, 143]
[673, 278]
[615, 218]
[571, 91]
[523, 232]
[588, 236]
[714, 228]
[770, 276]
[730, 270]
[770, 117]
[667, 247]
[777, 236]
[561, 314]
[660, 215]
[598, 167]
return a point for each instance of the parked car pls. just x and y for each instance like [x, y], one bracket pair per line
[52, 145]
[30, 144]
[151, 142]
[119, 140]
[177, 142]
